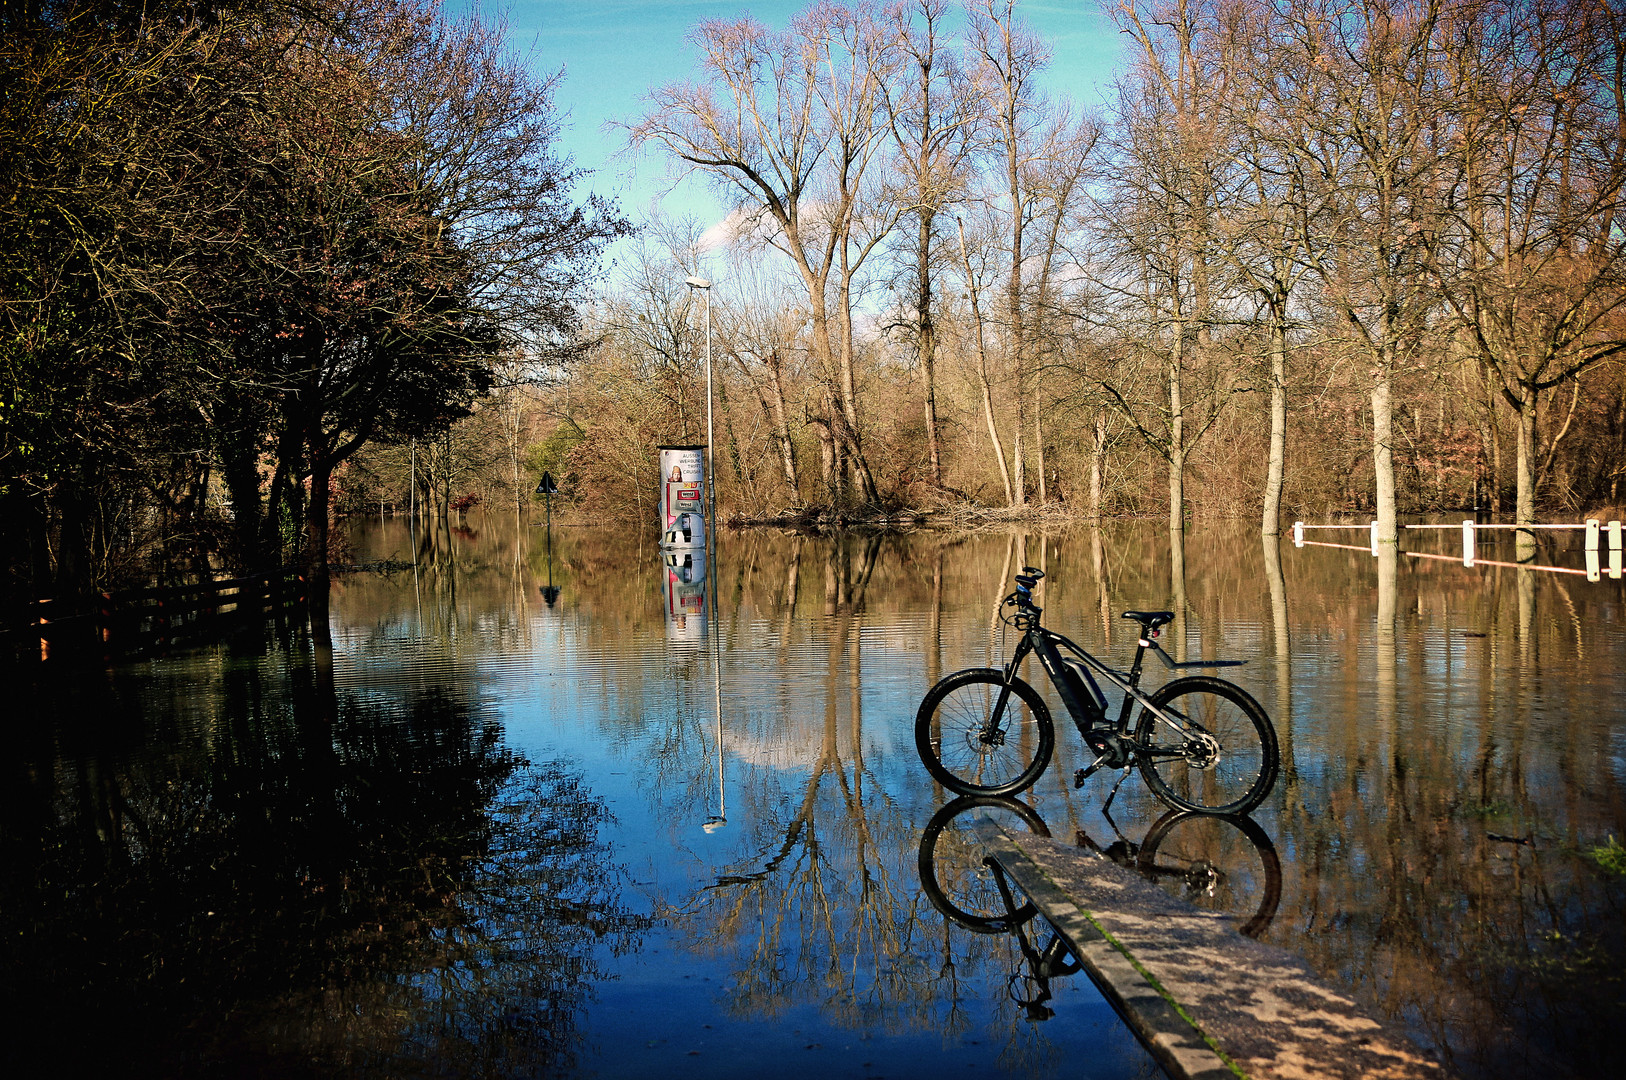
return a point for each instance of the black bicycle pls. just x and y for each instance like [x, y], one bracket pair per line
[1223, 863]
[1200, 742]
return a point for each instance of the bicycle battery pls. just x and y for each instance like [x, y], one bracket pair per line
[1083, 685]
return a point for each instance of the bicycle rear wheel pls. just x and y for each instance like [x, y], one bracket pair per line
[1217, 862]
[966, 751]
[1216, 753]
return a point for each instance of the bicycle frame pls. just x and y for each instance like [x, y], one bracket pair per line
[1043, 643]
[1202, 743]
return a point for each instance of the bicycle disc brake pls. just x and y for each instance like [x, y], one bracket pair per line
[1202, 751]
[981, 738]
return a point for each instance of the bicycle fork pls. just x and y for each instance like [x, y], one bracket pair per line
[993, 734]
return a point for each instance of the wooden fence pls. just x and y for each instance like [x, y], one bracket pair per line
[1596, 535]
[116, 622]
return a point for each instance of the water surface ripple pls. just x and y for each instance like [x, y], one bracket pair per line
[538, 808]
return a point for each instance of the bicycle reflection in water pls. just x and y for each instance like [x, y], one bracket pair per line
[1220, 863]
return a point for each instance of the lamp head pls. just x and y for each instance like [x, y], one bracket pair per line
[697, 282]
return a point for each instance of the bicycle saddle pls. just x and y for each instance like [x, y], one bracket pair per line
[1150, 619]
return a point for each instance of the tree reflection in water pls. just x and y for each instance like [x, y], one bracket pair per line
[1454, 746]
[1448, 778]
[323, 883]
[824, 911]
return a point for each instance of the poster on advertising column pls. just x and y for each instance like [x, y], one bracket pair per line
[683, 488]
[684, 577]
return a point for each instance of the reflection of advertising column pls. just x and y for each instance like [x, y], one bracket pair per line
[683, 488]
[683, 575]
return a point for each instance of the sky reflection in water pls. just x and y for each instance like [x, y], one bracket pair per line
[474, 841]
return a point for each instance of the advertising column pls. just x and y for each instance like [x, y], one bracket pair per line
[683, 573]
[683, 488]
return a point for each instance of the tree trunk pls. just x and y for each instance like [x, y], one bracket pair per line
[1098, 454]
[1177, 438]
[829, 470]
[1495, 449]
[1524, 507]
[73, 561]
[446, 489]
[316, 529]
[1038, 450]
[242, 477]
[849, 391]
[1177, 594]
[1018, 484]
[781, 427]
[993, 435]
[1271, 523]
[978, 335]
[927, 341]
[1009, 135]
[1383, 466]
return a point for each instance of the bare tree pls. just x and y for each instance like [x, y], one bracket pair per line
[976, 269]
[654, 317]
[1532, 261]
[1008, 61]
[1375, 146]
[930, 117]
[763, 336]
[789, 124]
[1055, 177]
[1274, 203]
[1159, 228]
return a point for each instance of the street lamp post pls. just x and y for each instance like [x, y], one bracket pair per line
[721, 818]
[711, 455]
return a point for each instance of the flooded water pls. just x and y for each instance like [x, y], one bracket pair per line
[530, 808]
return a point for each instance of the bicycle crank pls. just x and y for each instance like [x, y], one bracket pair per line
[1112, 753]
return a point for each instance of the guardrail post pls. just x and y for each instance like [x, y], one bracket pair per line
[1592, 534]
[1468, 542]
[1374, 538]
[1614, 550]
[1298, 533]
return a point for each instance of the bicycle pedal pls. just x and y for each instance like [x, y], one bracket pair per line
[1085, 773]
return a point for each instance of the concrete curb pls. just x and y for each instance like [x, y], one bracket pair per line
[1207, 1002]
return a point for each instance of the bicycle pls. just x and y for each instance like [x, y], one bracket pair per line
[1201, 743]
[1222, 863]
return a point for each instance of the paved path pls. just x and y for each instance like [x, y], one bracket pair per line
[1209, 1003]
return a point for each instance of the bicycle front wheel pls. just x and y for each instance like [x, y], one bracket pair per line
[953, 871]
[1213, 749]
[969, 749]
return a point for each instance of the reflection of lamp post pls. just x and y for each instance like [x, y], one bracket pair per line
[719, 819]
[711, 457]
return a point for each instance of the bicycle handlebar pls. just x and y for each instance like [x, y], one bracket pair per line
[1023, 596]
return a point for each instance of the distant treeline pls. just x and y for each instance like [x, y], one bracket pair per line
[243, 240]
[1315, 256]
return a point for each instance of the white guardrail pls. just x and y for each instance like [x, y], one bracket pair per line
[1595, 533]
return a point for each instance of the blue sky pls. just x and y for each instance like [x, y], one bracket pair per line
[614, 52]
